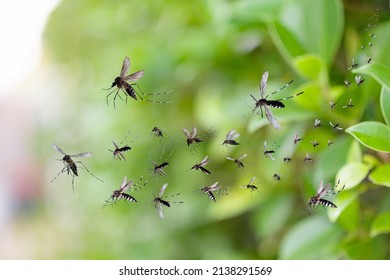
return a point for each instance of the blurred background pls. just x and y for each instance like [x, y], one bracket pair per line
[58, 59]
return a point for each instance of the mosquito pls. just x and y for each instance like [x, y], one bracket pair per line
[349, 105]
[353, 65]
[126, 83]
[277, 177]
[268, 152]
[157, 132]
[359, 81]
[330, 142]
[192, 138]
[347, 83]
[213, 188]
[287, 159]
[120, 193]
[230, 138]
[70, 166]
[332, 104]
[160, 201]
[250, 186]
[297, 138]
[263, 102]
[308, 158]
[317, 123]
[323, 191]
[314, 143]
[159, 167]
[200, 166]
[238, 161]
[336, 126]
[118, 151]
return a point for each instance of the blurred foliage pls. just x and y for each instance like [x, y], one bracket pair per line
[211, 54]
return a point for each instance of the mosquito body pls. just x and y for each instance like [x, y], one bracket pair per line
[314, 143]
[161, 201]
[70, 166]
[287, 159]
[297, 138]
[157, 132]
[230, 138]
[336, 126]
[263, 102]
[323, 191]
[359, 81]
[126, 83]
[308, 158]
[332, 104]
[353, 65]
[349, 105]
[238, 161]
[317, 123]
[158, 168]
[347, 83]
[213, 188]
[200, 166]
[118, 151]
[268, 152]
[192, 138]
[250, 186]
[277, 177]
[330, 142]
[120, 193]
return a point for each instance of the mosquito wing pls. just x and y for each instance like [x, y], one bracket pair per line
[125, 67]
[263, 84]
[82, 155]
[271, 118]
[135, 76]
[204, 161]
[126, 185]
[160, 210]
[194, 132]
[214, 187]
[162, 189]
[322, 190]
[251, 181]
[186, 133]
[243, 156]
[58, 149]
[116, 146]
[231, 134]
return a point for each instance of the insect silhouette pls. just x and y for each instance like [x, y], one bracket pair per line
[317, 123]
[297, 138]
[192, 138]
[158, 168]
[359, 81]
[200, 166]
[330, 142]
[120, 193]
[70, 166]
[238, 161]
[308, 158]
[160, 201]
[232, 134]
[336, 126]
[287, 159]
[323, 191]
[314, 143]
[263, 102]
[347, 83]
[353, 65]
[126, 83]
[118, 151]
[349, 105]
[268, 152]
[332, 104]
[250, 186]
[277, 177]
[213, 188]
[157, 132]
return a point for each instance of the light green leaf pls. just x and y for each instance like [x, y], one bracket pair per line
[310, 66]
[343, 200]
[314, 232]
[385, 104]
[381, 224]
[352, 174]
[381, 175]
[374, 135]
[257, 11]
[380, 72]
[354, 152]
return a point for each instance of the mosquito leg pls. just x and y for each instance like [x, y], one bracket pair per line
[148, 100]
[89, 171]
[109, 95]
[62, 171]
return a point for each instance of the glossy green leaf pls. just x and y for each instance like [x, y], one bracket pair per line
[294, 37]
[313, 232]
[381, 224]
[257, 11]
[310, 66]
[354, 152]
[352, 174]
[380, 72]
[381, 175]
[343, 200]
[385, 104]
[374, 135]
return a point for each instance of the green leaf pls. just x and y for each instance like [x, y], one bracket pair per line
[293, 36]
[381, 175]
[352, 174]
[354, 152]
[385, 104]
[380, 72]
[310, 66]
[381, 224]
[343, 200]
[256, 11]
[373, 135]
[314, 232]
